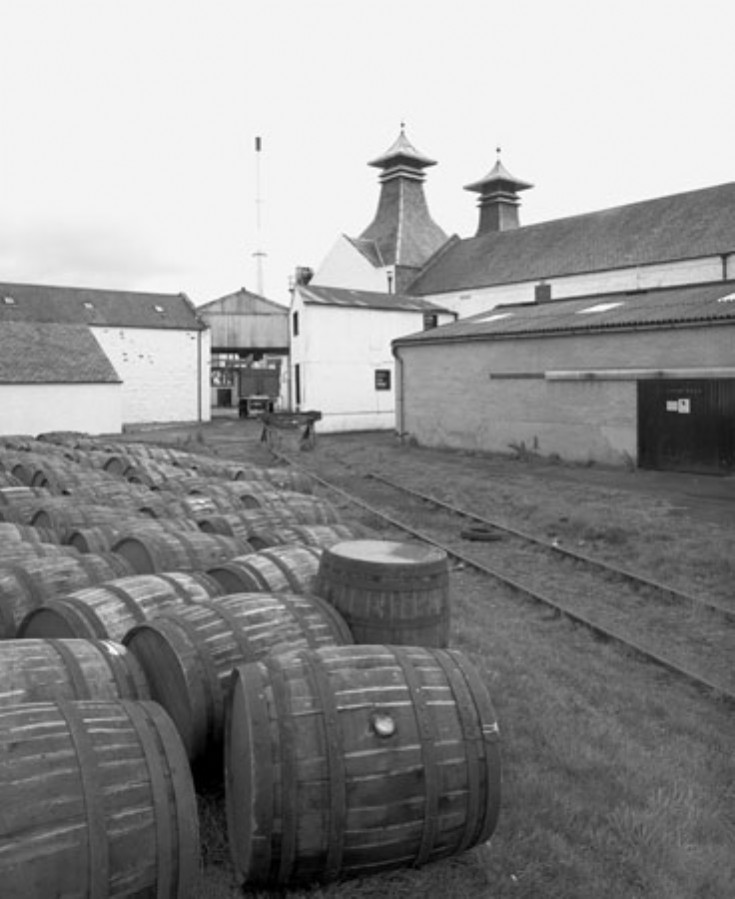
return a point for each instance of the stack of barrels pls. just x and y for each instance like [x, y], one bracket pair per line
[167, 615]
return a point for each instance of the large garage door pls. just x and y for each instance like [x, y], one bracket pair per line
[687, 425]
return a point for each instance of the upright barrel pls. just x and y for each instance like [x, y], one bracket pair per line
[347, 760]
[387, 591]
[97, 800]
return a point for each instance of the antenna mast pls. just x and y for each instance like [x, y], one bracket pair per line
[258, 254]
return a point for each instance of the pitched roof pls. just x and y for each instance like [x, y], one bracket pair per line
[243, 301]
[33, 353]
[88, 306]
[665, 307]
[682, 226]
[365, 299]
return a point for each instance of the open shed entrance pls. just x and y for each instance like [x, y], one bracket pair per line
[687, 425]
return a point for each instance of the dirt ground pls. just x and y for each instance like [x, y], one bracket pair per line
[706, 497]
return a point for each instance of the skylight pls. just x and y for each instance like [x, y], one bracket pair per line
[730, 298]
[9, 301]
[600, 307]
[494, 318]
[159, 308]
[88, 305]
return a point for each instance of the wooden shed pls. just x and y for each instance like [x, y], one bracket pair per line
[249, 346]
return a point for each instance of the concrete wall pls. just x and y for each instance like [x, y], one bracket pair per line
[338, 351]
[572, 396]
[165, 372]
[36, 408]
[475, 300]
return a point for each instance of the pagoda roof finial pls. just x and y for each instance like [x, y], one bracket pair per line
[403, 151]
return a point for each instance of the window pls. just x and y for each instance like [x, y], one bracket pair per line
[296, 324]
[431, 320]
[9, 301]
[382, 379]
[297, 383]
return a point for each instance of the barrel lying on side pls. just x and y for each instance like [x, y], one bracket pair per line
[188, 653]
[27, 584]
[355, 759]
[46, 670]
[109, 610]
[97, 800]
[150, 552]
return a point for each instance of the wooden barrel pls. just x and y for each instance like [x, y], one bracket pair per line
[12, 532]
[241, 524]
[252, 573]
[150, 551]
[47, 670]
[347, 760]
[28, 584]
[299, 563]
[98, 801]
[19, 551]
[310, 534]
[388, 591]
[109, 610]
[102, 537]
[188, 653]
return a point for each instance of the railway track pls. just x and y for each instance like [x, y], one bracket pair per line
[688, 635]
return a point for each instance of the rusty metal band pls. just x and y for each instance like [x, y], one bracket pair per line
[427, 737]
[98, 860]
[122, 671]
[335, 763]
[154, 750]
[73, 669]
[472, 738]
[490, 744]
[289, 773]
[130, 604]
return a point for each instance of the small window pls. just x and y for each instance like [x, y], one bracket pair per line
[9, 301]
[382, 379]
[296, 324]
[88, 305]
[431, 320]
[159, 308]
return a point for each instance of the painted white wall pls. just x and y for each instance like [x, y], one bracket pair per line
[36, 408]
[345, 266]
[475, 300]
[338, 351]
[165, 372]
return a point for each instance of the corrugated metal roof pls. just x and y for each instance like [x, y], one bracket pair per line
[682, 226]
[693, 304]
[89, 306]
[356, 299]
[33, 353]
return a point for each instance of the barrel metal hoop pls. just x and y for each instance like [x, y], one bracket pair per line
[335, 762]
[97, 842]
[154, 751]
[428, 754]
[122, 671]
[289, 774]
[178, 588]
[472, 737]
[73, 669]
[490, 742]
[286, 570]
[126, 600]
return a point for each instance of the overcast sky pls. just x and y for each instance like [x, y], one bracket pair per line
[127, 127]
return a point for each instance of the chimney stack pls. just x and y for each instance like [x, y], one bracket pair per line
[498, 199]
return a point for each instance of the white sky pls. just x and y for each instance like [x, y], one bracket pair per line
[127, 127]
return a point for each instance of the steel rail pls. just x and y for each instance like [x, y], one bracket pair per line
[659, 659]
[626, 574]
